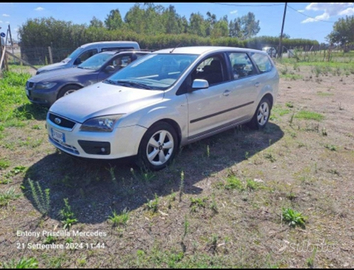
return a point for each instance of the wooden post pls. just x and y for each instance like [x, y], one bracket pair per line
[50, 55]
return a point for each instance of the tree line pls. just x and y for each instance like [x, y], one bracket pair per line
[153, 26]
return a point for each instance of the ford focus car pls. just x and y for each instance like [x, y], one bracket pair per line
[47, 87]
[165, 100]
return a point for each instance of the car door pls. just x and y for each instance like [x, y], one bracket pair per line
[209, 108]
[245, 84]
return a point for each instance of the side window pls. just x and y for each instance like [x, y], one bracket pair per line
[241, 65]
[262, 61]
[211, 69]
[86, 55]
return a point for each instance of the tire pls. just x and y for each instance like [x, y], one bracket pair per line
[158, 147]
[261, 115]
[68, 90]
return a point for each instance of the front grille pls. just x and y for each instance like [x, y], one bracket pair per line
[61, 121]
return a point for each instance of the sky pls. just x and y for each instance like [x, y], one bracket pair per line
[302, 20]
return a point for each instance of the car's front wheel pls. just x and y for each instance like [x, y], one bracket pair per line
[262, 114]
[158, 147]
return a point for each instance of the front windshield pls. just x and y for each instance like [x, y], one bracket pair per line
[96, 61]
[154, 71]
[74, 54]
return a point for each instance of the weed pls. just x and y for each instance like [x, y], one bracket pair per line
[293, 217]
[152, 205]
[68, 217]
[121, 219]
[7, 196]
[197, 203]
[181, 186]
[42, 199]
[4, 163]
[50, 239]
[331, 147]
[213, 205]
[22, 263]
[232, 182]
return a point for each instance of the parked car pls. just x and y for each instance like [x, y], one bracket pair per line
[87, 50]
[271, 51]
[165, 100]
[44, 89]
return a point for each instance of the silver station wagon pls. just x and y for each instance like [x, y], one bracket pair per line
[163, 101]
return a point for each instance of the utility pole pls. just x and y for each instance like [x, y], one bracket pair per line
[281, 34]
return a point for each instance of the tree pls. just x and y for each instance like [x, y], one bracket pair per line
[197, 25]
[343, 31]
[96, 22]
[249, 25]
[114, 20]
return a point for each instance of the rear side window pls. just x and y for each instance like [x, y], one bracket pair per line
[262, 61]
[241, 65]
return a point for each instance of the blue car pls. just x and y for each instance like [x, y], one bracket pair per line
[45, 88]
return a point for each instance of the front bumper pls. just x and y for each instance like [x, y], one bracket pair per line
[121, 142]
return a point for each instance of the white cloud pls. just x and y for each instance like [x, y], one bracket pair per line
[301, 10]
[347, 12]
[1, 21]
[39, 9]
[329, 10]
[234, 11]
[5, 15]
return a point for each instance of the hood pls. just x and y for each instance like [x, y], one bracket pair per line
[58, 74]
[103, 99]
[54, 66]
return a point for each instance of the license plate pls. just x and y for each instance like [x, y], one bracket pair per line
[59, 136]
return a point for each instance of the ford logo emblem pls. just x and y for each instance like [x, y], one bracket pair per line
[57, 120]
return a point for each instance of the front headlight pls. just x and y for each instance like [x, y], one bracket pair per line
[101, 123]
[45, 85]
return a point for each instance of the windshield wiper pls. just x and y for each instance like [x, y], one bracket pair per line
[110, 81]
[133, 84]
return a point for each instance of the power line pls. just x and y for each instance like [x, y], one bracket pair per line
[309, 16]
[254, 5]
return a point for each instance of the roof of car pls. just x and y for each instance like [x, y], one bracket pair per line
[203, 49]
[108, 42]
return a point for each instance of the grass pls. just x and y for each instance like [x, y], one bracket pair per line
[308, 115]
[7, 196]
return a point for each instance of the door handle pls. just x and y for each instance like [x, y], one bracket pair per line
[256, 84]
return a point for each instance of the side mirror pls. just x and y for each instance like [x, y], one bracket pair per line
[110, 68]
[200, 84]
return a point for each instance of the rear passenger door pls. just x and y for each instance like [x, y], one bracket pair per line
[245, 84]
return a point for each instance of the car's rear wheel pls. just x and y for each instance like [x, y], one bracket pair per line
[262, 114]
[68, 90]
[158, 147]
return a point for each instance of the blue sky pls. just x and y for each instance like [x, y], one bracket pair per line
[303, 20]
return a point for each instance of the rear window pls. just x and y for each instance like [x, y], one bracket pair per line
[262, 61]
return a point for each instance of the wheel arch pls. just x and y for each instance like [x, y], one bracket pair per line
[67, 85]
[174, 125]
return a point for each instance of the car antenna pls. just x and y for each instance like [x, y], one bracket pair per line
[175, 47]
